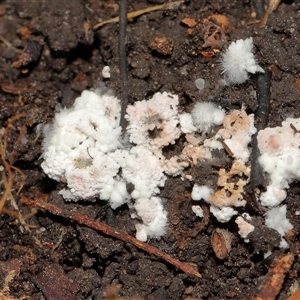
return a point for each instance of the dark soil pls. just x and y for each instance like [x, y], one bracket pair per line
[49, 55]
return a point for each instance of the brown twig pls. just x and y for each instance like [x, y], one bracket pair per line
[8, 182]
[275, 277]
[116, 233]
[140, 12]
[257, 178]
[273, 5]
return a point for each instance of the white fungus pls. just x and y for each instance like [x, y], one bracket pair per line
[237, 131]
[206, 115]
[79, 139]
[198, 211]
[186, 123]
[154, 218]
[175, 165]
[276, 219]
[143, 169]
[83, 148]
[201, 192]
[280, 158]
[106, 72]
[154, 122]
[244, 227]
[238, 60]
[223, 214]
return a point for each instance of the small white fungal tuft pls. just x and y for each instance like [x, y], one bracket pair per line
[106, 72]
[205, 115]
[238, 60]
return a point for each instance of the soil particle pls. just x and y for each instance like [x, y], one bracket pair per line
[140, 65]
[97, 244]
[29, 55]
[62, 24]
[264, 239]
[90, 280]
[55, 284]
[162, 45]
[145, 270]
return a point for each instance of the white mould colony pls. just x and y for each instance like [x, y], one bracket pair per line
[84, 148]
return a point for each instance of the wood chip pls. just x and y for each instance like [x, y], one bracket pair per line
[221, 243]
[274, 278]
[294, 296]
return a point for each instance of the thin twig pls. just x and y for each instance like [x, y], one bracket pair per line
[263, 86]
[137, 13]
[263, 92]
[8, 182]
[273, 5]
[116, 233]
[123, 62]
[8, 44]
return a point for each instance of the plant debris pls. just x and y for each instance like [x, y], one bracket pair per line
[275, 277]
[118, 234]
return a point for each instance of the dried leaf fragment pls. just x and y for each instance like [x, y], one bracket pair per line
[220, 20]
[231, 183]
[214, 36]
[190, 22]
